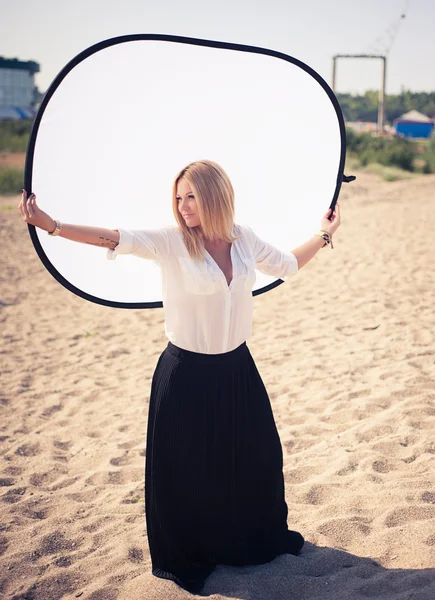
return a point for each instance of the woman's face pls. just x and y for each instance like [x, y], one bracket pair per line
[187, 203]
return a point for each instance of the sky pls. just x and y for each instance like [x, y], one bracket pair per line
[52, 32]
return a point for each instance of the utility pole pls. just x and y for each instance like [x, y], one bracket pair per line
[381, 101]
[382, 46]
[381, 106]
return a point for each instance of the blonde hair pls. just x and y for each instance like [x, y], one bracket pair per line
[214, 197]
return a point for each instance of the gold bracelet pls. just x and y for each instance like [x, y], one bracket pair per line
[325, 235]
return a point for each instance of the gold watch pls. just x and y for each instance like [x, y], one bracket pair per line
[57, 228]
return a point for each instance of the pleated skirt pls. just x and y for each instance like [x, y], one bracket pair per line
[214, 486]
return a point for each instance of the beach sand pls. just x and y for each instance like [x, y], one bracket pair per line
[346, 350]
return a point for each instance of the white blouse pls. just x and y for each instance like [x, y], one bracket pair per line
[202, 312]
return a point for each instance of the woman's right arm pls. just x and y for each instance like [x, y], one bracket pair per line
[96, 236]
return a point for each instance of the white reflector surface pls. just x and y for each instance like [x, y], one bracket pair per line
[127, 118]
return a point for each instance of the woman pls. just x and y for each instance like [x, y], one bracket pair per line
[214, 487]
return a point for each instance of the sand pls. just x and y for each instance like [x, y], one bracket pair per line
[347, 352]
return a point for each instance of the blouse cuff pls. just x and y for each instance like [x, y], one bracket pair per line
[124, 246]
[292, 266]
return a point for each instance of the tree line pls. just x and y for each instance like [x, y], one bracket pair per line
[365, 108]
[368, 149]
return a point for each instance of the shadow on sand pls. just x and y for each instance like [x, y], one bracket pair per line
[320, 573]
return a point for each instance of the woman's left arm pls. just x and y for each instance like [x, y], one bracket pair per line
[309, 249]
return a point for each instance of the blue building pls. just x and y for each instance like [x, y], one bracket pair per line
[18, 93]
[413, 124]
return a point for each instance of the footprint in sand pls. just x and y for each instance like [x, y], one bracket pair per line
[13, 496]
[51, 410]
[7, 481]
[118, 352]
[409, 459]
[96, 525]
[34, 509]
[55, 586]
[123, 460]
[381, 466]
[131, 444]
[64, 484]
[288, 445]
[116, 477]
[14, 470]
[348, 470]
[60, 458]
[87, 496]
[402, 516]
[134, 497]
[321, 494]
[62, 445]
[135, 555]
[28, 450]
[64, 561]
[346, 530]
[4, 543]
[428, 497]
[25, 384]
[43, 479]
[104, 594]
[384, 376]
[300, 474]
[56, 542]
[359, 394]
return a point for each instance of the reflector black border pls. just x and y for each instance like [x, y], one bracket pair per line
[179, 40]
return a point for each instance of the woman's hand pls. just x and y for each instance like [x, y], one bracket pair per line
[330, 225]
[32, 214]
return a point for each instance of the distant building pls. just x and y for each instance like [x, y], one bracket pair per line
[413, 124]
[18, 93]
[362, 126]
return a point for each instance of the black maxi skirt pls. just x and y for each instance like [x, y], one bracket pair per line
[214, 487]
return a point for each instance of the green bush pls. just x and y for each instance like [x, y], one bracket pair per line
[11, 180]
[385, 151]
[429, 156]
[14, 135]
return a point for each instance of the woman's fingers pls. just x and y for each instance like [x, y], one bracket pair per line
[29, 210]
[336, 216]
[32, 207]
[336, 213]
[25, 209]
[27, 206]
[23, 198]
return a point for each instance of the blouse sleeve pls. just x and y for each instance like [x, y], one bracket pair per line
[270, 260]
[145, 243]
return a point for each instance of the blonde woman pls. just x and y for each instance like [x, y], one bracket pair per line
[214, 487]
